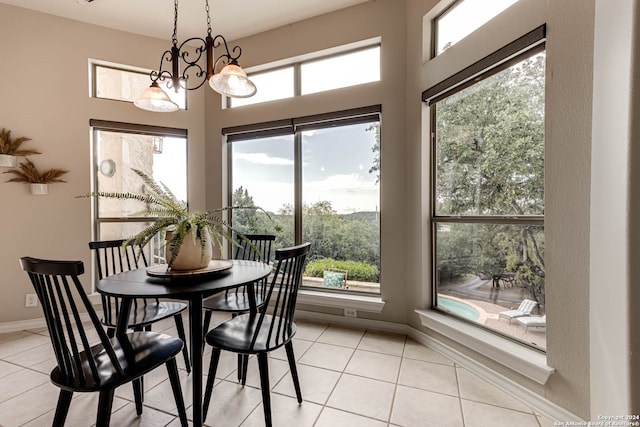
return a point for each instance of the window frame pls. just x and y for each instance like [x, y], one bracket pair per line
[526, 46]
[295, 126]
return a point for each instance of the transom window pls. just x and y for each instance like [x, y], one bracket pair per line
[122, 83]
[488, 192]
[318, 179]
[322, 73]
[462, 18]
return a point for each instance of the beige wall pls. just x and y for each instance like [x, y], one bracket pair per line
[45, 96]
[49, 103]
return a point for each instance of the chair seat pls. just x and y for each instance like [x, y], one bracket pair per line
[146, 314]
[235, 302]
[149, 350]
[236, 335]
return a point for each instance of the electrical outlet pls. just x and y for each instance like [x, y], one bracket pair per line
[350, 312]
[31, 300]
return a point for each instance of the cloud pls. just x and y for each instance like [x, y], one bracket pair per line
[263, 159]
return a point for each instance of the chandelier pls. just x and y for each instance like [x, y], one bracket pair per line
[230, 81]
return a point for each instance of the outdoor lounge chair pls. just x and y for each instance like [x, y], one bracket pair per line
[525, 309]
[533, 322]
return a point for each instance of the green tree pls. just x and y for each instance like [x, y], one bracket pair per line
[249, 220]
[490, 161]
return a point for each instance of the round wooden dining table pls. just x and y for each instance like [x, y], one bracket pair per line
[194, 288]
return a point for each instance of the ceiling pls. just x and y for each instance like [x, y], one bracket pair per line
[232, 18]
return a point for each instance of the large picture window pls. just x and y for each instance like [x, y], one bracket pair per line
[488, 195]
[318, 179]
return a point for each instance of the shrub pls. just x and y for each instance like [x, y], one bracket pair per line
[358, 271]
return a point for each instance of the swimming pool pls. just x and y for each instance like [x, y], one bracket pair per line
[458, 307]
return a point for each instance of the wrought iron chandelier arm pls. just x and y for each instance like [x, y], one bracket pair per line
[160, 73]
[218, 41]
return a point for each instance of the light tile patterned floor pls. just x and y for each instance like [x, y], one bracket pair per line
[349, 377]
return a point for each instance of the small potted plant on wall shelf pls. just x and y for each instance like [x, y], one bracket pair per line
[27, 172]
[10, 149]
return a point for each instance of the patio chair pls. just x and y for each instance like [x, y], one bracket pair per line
[524, 309]
[533, 322]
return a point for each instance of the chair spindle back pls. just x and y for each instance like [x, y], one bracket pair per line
[112, 258]
[276, 319]
[61, 295]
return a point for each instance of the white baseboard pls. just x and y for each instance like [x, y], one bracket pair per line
[22, 325]
[535, 401]
[25, 325]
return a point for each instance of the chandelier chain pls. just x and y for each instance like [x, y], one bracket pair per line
[174, 39]
[206, 8]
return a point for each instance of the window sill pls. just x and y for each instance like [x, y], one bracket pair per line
[528, 362]
[372, 304]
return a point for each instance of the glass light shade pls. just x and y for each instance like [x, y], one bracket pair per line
[232, 81]
[155, 99]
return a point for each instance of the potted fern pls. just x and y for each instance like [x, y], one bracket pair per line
[10, 149]
[189, 236]
[27, 172]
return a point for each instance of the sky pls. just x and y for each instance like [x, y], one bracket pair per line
[335, 168]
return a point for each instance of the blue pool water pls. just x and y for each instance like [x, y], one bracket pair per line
[459, 308]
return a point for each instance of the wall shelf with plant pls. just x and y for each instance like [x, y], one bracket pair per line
[10, 149]
[27, 172]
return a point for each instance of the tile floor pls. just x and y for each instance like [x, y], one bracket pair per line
[349, 377]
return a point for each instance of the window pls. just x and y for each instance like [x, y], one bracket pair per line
[322, 73]
[272, 85]
[119, 147]
[488, 189]
[318, 179]
[349, 69]
[122, 84]
[463, 18]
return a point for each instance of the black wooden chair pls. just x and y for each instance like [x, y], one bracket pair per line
[111, 258]
[236, 301]
[268, 330]
[101, 367]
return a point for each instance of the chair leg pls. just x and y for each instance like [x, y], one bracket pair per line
[172, 370]
[105, 402]
[245, 367]
[294, 371]
[64, 401]
[183, 337]
[206, 322]
[264, 386]
[138, 390]
[211, 378]
[111, 332]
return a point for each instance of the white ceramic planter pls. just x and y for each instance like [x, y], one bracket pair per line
[39, 189]
[7, 161]
[189, 257]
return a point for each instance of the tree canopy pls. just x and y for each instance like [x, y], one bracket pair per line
[489, 161]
